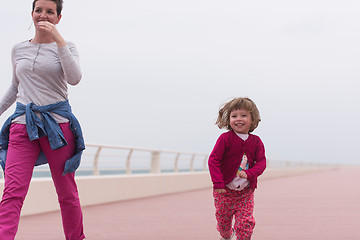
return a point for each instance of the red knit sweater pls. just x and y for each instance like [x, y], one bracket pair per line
[226, 156]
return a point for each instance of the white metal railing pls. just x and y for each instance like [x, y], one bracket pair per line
[273, 163]
[99, 159]
[156, 160]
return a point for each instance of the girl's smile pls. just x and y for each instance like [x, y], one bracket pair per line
[240, 121]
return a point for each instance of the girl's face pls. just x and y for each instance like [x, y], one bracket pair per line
[240, 121]
[45, 10]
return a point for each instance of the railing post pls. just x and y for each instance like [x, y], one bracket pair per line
[205, 163]
[192, 163]
[96, 162]
[287, 164]
[176, 164]
[155, 162]
[128, 169]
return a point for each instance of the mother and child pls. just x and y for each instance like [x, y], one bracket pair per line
[235, 162]
[43, 128]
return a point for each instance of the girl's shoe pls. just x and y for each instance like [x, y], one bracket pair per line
[233, 233]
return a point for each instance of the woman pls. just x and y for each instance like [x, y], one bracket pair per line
[42, 129]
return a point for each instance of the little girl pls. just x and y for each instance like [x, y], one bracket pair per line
[236, 161]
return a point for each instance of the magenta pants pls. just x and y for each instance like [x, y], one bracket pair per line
[238, 205]
[20, 161]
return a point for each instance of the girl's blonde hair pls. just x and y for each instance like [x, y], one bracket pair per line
[223, 120]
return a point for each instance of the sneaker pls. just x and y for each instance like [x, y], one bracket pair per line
[233, 233]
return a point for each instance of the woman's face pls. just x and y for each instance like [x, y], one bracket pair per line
[45, 10]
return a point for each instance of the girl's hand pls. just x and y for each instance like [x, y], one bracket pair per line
[45, 26]
[220, 190]
[242, 174]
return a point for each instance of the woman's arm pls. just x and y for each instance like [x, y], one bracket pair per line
[68, 54]
[10, 96]
[8, 99]
[70, 63]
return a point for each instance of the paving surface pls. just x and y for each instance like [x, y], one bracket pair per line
[318, 205]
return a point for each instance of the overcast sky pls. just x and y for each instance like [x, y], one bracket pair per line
[156, 72]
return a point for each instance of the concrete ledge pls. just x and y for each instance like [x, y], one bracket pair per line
[105, 189]
[42, 197]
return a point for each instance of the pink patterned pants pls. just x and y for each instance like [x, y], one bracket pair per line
[238, 205]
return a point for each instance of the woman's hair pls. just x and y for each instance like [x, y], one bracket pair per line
[223, 120]
[59, 5]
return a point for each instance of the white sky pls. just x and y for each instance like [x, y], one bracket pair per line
[156, 72]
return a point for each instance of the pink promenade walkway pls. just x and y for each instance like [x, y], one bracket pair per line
[318, 205]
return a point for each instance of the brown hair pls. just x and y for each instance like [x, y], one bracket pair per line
[223, 120]
[59, 5]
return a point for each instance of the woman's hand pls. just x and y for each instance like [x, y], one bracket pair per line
[220, 190]
[45, 26]
[242, 174]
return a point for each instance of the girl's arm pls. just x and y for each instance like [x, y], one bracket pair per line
[260, 162]
[214, 164]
